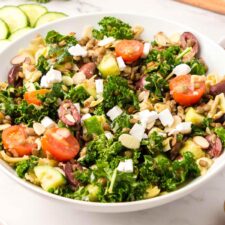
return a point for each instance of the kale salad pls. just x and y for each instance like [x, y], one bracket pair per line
[111, 117]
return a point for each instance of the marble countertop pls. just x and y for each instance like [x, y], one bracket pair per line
[205, 206]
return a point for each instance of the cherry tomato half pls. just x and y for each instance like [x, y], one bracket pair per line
[129, 50]
[16, 139]
[184, 92]
[32, 96]
[60, 143]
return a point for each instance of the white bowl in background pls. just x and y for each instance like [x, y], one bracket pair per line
[212, 53]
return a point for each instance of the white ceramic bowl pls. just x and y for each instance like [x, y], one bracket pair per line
[212, 53]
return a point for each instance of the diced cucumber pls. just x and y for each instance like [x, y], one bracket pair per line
[195, 149]
[13, 17]
[4, 44]
[4, 30]
[49, 17]
[33, 12]
[49, 177]
[93, 125]
[19, 33]
[193, 117]
[108, 66]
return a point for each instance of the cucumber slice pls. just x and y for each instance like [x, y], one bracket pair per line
[19, 33]
[4, 30]
[49, 17]
[33, 12]
[93, 125]
[13, 17]
[49, 177]
[4, 44]
[108, 66]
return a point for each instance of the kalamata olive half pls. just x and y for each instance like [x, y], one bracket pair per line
[13, 78]
[68, 113]
[69, 170]
[189, 40]
[88, 69]
[221, 119]
[218, 88]
[215, 145]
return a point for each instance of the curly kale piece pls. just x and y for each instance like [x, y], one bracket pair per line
[54, 37]
[101, 149]
[113, 27]
[78, 94]
[157, 85]
[61, 53]
[120, 122]
[43, 64]
[24, 166]
[117, 92]
[197, 67]
[154, 143]
[167, 174]
[165, 60]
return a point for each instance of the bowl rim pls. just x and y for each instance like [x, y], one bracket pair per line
[159, 200]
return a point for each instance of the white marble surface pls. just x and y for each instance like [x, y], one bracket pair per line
[204, 207]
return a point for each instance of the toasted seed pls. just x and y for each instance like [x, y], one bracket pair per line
[83, 152]
[203, 163]
[201, 141]
[129, 141]
[39, 129]
[4, 126]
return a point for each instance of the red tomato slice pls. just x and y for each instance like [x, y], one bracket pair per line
[129, 50]
[184, 92]
[16, 139]
[60, 143]
[32, 96]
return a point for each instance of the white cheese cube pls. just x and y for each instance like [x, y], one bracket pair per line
[77, 50]
[114, 112]
[99, 86]
[121, 63]
[121, 167]
[181, 69]
[184, 128]
[77, 105]
[47, 122]
[137, 131]
[146, 49]
[166, 118]
[53, 76]
[108, 135]
[106, 41]
[85, 116]
[44, 83]
[147, 117]
[128, 166]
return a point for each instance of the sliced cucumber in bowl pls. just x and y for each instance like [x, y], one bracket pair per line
[13, 17]
[33, 12]
[19, 33]
[4, 30]
[49, 17]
